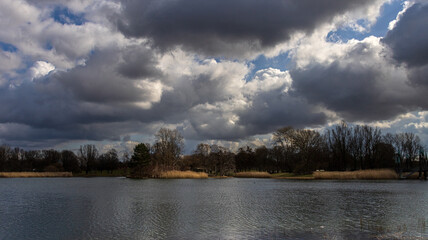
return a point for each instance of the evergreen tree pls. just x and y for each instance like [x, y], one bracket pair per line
[140, 160]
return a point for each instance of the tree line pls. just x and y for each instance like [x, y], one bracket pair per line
[87, 159]
[341, 147]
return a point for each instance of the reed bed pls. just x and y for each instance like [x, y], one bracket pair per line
[34, 174]
[361, 174]
[292, 176]
[296, 178]
[253, 175]
[182, 174]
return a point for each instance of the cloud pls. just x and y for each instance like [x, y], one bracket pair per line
[408, 40]
[415, 122]
[41, 69]
[116, 76]
[127, 68]
[31, 28]
[226, 28]
[360, 84]
[261, 105]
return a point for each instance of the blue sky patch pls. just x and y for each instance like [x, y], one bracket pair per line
[63, 15]
[389, 12]
[261, 62]
[7, 47]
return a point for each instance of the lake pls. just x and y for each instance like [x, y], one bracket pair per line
[120, 208]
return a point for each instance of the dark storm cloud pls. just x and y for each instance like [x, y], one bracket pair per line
[229, 27]
[408, 42]
[275, 109]
[95, 101]
[409, 38]
[28, 136]
[109, 76]
[357, 86]
[419, 76]
[137, 62]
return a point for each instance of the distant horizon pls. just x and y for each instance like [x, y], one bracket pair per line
[228, 72]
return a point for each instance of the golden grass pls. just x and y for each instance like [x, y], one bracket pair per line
[253, 175]
[34, 174]
[182, 174]
[292, 176]
[296, 178]
[361, 174]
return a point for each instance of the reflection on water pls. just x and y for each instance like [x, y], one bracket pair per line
[119, 208]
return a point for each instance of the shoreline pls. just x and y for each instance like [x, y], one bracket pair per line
[34, 174]
[377, 174]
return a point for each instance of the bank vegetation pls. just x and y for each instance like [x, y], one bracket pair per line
[34, 174]
[182, 174]
[253, 175]
[372, 174]
[298, 152]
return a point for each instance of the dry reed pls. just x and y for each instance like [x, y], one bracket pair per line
[34, 174]
[183, 174]
[253, 175]
[361, 174]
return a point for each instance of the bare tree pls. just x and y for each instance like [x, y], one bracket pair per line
[222, 160]
[5, 152]
[356, 147]
[88, 155]
[339, 140]
[309, 145]
[411, 145]
[168, 147]
[372, 138]
[406, 146]
[283, 135]
[70, 161]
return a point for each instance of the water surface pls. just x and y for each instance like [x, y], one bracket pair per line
[120, 208]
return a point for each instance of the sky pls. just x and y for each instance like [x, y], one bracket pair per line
[228, 72]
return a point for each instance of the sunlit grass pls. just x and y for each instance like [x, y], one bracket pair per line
[182, 174]
[361, 174]
[253, 175]
[287, 175]
[115, 173]
[34, 174]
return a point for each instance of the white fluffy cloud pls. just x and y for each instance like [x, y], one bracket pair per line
[40, 69]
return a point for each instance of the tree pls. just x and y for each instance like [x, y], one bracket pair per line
[339, 141]
[70, 163]
[283, 135]
[406, 145]
[245, 159]
[15, 159]
[88, 156]
[278, 156]
[51, 160]
[309, 146]
[4, 157]
[356, 147]
[141, 160]
[372, 138]
[222, 160]
[200, 158]
[34, 160]
[168, 148]
[109, 161]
